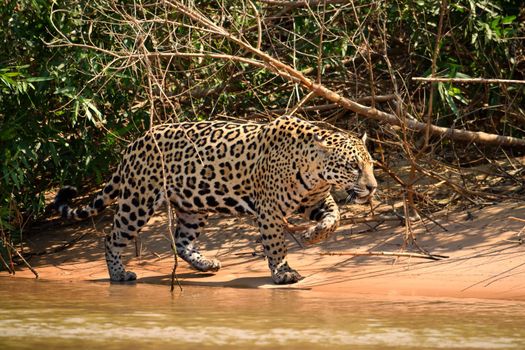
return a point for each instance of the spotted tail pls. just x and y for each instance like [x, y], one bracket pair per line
[103, 198]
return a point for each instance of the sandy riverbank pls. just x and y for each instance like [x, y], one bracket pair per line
[482, 262]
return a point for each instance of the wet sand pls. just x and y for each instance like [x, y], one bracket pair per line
[484, 259]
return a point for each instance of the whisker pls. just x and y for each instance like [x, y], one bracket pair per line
[351, 197]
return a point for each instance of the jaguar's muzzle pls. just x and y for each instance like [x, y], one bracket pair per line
[360, 195]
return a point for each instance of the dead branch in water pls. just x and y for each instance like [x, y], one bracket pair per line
[396, 254]
[22, 258]
[174, 277]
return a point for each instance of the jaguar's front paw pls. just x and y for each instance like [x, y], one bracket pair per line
[130, 276]
[208, 265]
[287, 276]
[124, 276]
[316, 234]
[311, 235]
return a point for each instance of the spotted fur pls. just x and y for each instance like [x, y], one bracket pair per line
[269, 171]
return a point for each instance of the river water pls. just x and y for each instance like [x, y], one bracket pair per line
[89, 315]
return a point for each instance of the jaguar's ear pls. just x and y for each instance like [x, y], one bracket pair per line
[364, 138]
[321, 142]
[370, 146]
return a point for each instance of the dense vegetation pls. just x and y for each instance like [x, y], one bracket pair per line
[69, 100]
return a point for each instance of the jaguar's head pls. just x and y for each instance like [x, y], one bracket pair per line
[348, 165]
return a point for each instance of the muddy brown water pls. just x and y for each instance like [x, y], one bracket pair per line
[88, 315]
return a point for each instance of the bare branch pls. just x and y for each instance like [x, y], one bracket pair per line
[331, 106]
[442, 10]
[468, 80]
[302, 3]
[290, 73]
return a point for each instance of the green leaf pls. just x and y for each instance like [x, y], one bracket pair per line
[462, 75]
[75, 113]
[38, 79]
[12, 74]
[54, 154]
[8, 133]
[452, 105]
[508, 19]
[91, 106]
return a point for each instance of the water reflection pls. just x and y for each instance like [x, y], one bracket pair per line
[50, 315]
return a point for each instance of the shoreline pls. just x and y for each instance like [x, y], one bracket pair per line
[482, 263]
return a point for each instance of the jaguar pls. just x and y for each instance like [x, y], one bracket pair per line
[270, 170]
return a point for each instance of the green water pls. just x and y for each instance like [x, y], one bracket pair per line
[50, 315]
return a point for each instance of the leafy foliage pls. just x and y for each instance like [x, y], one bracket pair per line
[66, 110]
[54, 125]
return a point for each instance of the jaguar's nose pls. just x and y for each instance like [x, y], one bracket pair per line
[371, 188]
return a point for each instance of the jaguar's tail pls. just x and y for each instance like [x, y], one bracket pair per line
[103, 198]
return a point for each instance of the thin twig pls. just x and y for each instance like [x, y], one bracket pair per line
[206, 25]
[174, 276]
[302, 3]
[468, 80]
[300, 104]
[442, 10]
[516, 219]
[396, 254]
[22, 258]
[368, 58]
[299, 243]
[329, 106]
[376, 218]
[292, 74]
[6, 265]
[259, 26]
[164, 177]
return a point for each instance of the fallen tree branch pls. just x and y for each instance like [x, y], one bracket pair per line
[396, 254]
[330, 106]
[468, 80]
[290, 73]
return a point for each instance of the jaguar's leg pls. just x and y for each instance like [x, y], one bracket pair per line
[326, 213]
[189, 227]
[128, 221]
[272, 238]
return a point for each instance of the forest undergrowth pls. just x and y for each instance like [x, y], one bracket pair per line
[438, 86]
